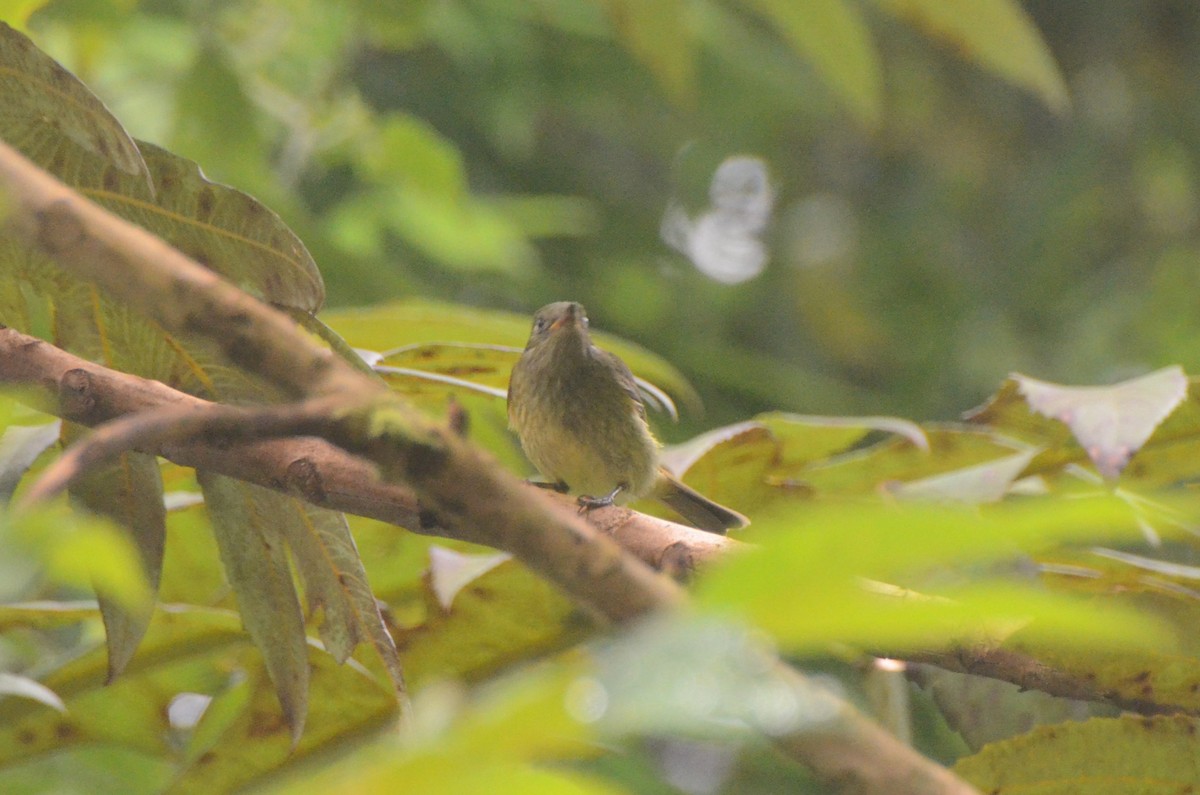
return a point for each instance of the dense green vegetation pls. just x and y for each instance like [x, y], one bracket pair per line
[926, 196]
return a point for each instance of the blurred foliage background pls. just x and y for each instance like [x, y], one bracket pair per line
[506, 153]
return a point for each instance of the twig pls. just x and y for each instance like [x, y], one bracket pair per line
[178, 424]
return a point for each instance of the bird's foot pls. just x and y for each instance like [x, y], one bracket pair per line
[587, 502]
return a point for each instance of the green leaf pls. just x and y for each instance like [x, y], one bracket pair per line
[730, 683]
[128, 491]
[255, 558]
[238, 742]
[44, 615]
[488, 747]
[1156, 755]
[419, 190]
[84, 551]
[834, 37]
[996, 34]
[20, 446]
[184, 650]
[214, 117]
[42, 103]
[842, 557]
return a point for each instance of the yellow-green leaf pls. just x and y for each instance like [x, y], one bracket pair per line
[834, 37]
[996, 34]
[658, 33]
[41, 102]
[255, 558]
[1156, 755]
[128, 491]
[826, 573]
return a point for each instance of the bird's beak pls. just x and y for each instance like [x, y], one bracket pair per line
[569, 317]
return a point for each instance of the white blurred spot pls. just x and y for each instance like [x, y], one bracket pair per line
[186, 709]
[697, 768]
[587, 700]
[724, 242]
[450, 571]
[820, 230]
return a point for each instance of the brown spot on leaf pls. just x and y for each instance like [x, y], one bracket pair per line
[263, 724]
[204, 204]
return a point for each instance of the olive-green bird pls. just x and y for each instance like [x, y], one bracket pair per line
[581, 420]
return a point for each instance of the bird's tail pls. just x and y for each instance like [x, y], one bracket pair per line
[695, 507]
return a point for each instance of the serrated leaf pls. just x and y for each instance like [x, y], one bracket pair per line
[42, 102]
[996, 34]
[220, 227]
[983, 710]
[1157, 755]
[128, 491]
[335, 582]
[1111, 423]
[255, 558]
[834, 37]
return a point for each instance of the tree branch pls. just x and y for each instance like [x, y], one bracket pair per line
[306, 467]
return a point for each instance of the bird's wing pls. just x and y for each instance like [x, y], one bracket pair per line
[624, 378]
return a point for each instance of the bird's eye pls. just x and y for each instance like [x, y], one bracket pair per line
[539, 324]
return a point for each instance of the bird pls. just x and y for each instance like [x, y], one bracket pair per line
[581, 420]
